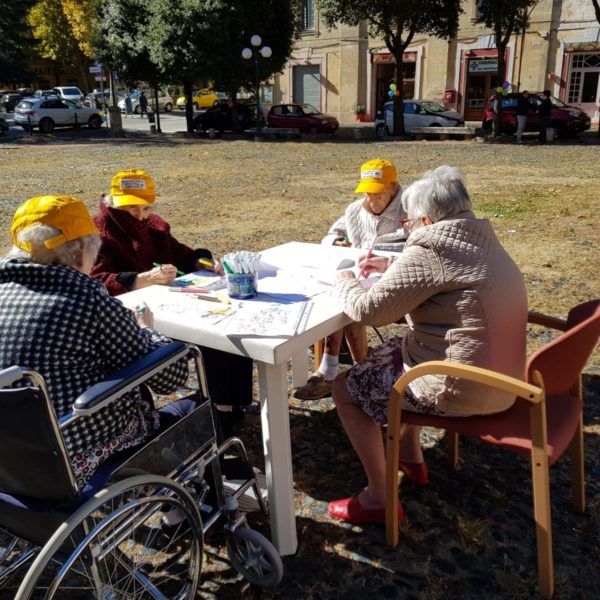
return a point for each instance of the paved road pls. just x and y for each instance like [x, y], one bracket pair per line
[169, 123]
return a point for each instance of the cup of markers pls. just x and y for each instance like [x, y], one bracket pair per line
[241, 273]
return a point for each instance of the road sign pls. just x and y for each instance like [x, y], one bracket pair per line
[96, 69]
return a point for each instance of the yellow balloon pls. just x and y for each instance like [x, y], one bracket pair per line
[393, 87]
[499, 89]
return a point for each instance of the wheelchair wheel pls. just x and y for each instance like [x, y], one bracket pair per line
[117, 547]
[253, 556]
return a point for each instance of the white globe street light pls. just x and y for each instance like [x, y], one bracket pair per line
[256, 54]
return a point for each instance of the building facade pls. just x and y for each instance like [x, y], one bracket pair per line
[339, 68]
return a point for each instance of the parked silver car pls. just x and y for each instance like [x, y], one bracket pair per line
[417, 113]
[165, 102]
[50, 112]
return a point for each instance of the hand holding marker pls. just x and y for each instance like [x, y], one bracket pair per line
[160, 266]
[367, 257]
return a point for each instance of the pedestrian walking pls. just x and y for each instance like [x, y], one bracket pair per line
[143, 104]
[128, 105]
[522, 112]
[544, 114]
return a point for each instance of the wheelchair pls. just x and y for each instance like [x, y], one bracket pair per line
[112, 539]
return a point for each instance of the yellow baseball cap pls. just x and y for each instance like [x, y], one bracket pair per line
[375, 176]
[132, 186]
[63, 212]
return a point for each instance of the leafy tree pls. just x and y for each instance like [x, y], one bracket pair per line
[56, 40]
[505, 18]
[15, 40]
[397, 22]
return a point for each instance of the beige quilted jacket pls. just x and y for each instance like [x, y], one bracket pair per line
[464, 300]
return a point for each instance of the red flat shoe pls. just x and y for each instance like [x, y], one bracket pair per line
[350, 510]
[416, 473]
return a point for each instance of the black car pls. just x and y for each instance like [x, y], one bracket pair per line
[220, 118]
[3, 126]
[9, 101]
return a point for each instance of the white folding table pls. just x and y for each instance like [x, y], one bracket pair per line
[271, 355]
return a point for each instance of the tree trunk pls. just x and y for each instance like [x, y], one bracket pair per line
[399, 99]
[156, 110]
[189, 107]
[497, 127]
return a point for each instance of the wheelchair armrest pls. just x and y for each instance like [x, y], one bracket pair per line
[115, 385]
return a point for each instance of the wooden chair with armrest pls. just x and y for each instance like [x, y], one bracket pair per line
[546, 419]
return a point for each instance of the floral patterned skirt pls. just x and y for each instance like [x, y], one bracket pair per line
[371, 381]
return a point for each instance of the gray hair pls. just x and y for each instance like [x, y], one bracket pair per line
[439, 194]
[68, 254]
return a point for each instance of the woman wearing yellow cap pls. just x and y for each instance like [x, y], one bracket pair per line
[56, 320]
[372, 221]
[133, 240]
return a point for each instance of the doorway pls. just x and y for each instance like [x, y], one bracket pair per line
[479, 88]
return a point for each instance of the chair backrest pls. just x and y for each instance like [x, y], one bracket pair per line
[562, 360]
[33, 460]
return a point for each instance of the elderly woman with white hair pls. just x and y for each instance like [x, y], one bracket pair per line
[464, 300]
[58, 321]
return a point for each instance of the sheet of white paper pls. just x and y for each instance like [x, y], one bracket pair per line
[271, 319]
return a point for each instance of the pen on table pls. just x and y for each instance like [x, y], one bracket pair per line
[227, 268]
[189, 290]
[367, 257]
[160, 266]
[209, 298]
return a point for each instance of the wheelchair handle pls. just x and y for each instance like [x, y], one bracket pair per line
[10, 375]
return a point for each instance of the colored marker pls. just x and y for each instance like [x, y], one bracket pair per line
[160, 266]
[206, 262]
[189, 290]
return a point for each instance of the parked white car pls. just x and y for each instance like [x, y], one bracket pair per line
[165, 102]
[417, 113]
[50, 112]
[72, 93]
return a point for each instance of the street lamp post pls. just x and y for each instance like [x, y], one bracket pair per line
[255, 54]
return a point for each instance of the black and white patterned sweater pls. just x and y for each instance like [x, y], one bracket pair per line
[63, 324]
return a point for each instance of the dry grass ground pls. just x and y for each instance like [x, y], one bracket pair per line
[461, 537]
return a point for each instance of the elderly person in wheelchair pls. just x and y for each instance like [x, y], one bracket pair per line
[92, 476]
[464, 300]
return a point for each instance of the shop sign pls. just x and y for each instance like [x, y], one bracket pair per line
[483, 65]
[386, 57]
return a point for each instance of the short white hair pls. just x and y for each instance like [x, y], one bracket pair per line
[440, 193]
[68, 254]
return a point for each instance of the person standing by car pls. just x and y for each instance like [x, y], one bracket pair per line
[522, 113]
[545, 114]
[143, 104]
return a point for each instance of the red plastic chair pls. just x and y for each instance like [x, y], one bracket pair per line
[545, 420]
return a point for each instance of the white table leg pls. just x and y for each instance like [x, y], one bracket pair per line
[278, 455]
[300, 368]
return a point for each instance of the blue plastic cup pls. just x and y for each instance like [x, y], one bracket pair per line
[242, 285]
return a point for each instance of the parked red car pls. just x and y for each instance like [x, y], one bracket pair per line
[304, 117]
[567, 121]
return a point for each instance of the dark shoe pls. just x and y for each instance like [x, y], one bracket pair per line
[316, 387]
[350, 510]
[416, 473]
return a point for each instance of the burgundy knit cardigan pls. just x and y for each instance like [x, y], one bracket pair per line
[130, 246]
